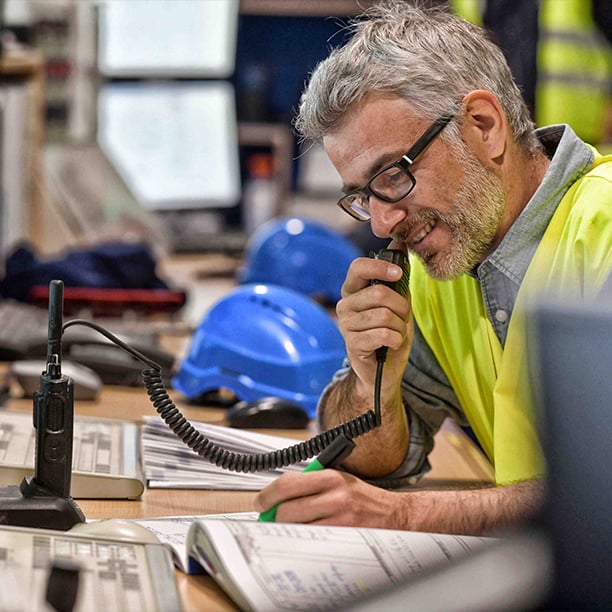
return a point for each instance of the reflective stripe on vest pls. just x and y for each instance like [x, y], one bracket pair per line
[573, 69]
[574, 64]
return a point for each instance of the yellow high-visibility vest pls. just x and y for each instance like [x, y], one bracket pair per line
[493, 384]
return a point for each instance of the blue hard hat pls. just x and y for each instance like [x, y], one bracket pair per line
[301, 255]
[260, 341]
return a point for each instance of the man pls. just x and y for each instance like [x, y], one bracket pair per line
[492, 213]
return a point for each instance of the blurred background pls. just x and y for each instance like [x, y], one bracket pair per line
[168, 122]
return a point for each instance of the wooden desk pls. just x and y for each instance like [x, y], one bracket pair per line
[455, 460]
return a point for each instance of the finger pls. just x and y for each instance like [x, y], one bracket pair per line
[376, 308]
[328, 500]
[286, 487]
[364, 270]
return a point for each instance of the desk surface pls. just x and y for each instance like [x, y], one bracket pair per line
[455, 461]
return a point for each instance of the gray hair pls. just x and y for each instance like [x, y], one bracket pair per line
[425, 55]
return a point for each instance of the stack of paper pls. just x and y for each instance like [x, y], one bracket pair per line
[106, 459]
[171, 464]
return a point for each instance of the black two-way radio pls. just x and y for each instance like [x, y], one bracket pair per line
[44, 500]
[54, 410]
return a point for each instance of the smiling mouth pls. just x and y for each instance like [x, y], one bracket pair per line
[425, 231]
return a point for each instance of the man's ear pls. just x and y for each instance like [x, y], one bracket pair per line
[484, 126]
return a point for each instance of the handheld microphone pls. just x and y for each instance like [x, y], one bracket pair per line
[397, 257]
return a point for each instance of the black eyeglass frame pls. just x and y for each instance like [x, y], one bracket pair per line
[404, 163]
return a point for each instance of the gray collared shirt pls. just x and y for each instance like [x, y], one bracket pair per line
[426, 391]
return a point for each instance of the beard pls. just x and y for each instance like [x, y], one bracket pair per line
[473, 222]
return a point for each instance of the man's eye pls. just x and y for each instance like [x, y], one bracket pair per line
[391, 178]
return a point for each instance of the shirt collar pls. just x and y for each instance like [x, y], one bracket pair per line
[570, 158]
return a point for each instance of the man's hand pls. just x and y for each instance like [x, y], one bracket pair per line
[331, 497]
[327, 497]
[371, 316]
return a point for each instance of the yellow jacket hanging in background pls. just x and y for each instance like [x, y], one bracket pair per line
[574, 66]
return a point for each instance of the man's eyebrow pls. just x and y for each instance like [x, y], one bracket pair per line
[384, 159]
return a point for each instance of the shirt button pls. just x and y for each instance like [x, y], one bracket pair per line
[501, 316]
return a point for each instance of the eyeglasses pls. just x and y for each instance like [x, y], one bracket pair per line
[395, 181]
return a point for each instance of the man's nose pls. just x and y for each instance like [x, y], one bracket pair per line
[385, 216]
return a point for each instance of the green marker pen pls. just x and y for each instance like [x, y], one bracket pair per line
[331, 456]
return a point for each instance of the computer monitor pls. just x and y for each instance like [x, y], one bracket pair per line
[167, 38]
[174, 143]
[166, 116]
[573, 348]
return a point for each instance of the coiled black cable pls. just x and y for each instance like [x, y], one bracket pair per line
[211, 451]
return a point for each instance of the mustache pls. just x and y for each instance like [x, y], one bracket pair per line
[424, 216]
